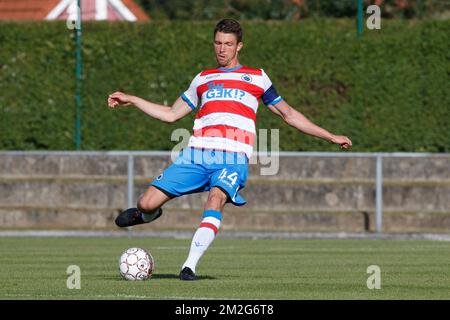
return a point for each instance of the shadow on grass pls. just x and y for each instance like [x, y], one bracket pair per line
[176, 276]
[160, 276]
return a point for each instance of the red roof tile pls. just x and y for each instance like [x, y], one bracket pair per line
[25, 9]
[39, 9]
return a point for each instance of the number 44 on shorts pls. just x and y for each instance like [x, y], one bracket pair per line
[232, 176]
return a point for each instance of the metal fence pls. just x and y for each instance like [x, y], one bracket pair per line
[129, 156]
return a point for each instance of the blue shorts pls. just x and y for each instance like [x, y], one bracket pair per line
[197, 170]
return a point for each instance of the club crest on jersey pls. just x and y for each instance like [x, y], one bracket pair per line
[246, 77]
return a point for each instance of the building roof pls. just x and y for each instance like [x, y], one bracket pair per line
[62, 9]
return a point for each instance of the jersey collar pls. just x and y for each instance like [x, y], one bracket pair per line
[230, 69]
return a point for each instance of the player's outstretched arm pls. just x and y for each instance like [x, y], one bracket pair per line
[297, 120]
[164, 113]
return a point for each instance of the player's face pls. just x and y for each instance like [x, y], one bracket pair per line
[226, 48]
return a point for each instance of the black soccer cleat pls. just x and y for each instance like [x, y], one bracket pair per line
[187, 274]
[132, 217]
[129, 217]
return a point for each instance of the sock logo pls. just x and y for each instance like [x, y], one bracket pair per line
[197, 244]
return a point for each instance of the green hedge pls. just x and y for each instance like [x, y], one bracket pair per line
[286, 10]
[387, 89]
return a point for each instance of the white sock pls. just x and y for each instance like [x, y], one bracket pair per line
[203, 237]
[147, 217]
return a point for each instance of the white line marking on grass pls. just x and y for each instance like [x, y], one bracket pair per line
[333, 249]
[226, 235]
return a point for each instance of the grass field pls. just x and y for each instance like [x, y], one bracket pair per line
[35, 268]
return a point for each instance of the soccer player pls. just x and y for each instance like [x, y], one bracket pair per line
[216, 158]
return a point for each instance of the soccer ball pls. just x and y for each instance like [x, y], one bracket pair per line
[136, 264]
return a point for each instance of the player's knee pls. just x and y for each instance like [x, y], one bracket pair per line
[216, 200]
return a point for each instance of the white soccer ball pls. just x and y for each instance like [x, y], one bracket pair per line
[136, 264]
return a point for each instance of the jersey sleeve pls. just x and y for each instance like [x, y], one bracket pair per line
[270, 95]
[190, 95]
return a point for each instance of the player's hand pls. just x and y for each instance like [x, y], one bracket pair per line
[119, 98]
[343, 141]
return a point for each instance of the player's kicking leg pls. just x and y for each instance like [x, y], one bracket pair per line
[206, 232]
[148, 209]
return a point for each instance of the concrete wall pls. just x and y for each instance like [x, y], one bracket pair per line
[87, 190]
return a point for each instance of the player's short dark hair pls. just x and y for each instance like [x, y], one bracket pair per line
[229, 26]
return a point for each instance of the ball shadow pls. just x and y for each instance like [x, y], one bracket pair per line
[176, 276]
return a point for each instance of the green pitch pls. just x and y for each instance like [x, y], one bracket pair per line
[35, 268]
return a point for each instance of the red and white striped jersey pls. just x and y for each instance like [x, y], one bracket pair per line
[228, 100]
